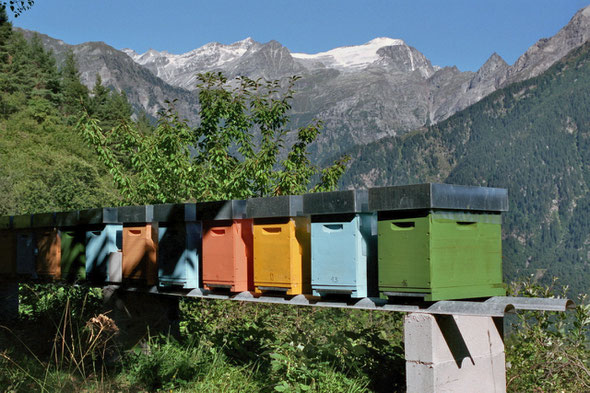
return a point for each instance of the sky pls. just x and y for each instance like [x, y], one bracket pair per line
[451, 32]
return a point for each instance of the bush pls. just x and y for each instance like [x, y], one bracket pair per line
[547, 351]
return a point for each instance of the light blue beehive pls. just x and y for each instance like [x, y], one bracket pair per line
[343, 243]
[103, 238]
[179, 240]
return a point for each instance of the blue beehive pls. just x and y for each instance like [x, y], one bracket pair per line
[179, 239]
[103, 244]
[25, 246]
[343, 243]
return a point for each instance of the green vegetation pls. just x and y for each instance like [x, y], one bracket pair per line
[44, 164]
[223, 346]
[234, 153]
[549, 352]
[533, 138]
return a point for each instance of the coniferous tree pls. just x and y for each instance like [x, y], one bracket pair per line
[75, 94]
[5, 34]
[99, 97]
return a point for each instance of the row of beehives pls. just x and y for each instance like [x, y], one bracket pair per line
[438, 241]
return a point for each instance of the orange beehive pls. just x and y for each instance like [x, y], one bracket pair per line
[48, 243]
[48, 262]
[140, 244]
[227, 255]
[140, 248]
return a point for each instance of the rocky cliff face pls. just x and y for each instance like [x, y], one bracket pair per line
[547, 51]
[362, 93]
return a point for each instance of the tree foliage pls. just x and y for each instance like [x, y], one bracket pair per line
[17, 7]
[45, 164]
[549, 352]
[238, 150]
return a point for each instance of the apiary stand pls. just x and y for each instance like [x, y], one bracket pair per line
[8, 301]
[450, 346]
[451, 353]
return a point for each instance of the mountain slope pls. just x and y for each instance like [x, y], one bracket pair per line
[533, 138]
[118, 71]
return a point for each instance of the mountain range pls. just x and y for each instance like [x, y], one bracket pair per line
[362, 93]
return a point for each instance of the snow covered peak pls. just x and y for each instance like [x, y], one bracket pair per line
[385, 41]
[351, 57]
[129, 52]
[180, 69]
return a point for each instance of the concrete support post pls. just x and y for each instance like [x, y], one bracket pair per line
[8, 301]
[454, 354]
[138, 314]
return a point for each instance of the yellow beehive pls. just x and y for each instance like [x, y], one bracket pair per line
[282, 258]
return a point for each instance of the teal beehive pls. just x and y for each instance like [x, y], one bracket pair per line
[343, 243]
[179, 239]
[103, 244]
[25, 246]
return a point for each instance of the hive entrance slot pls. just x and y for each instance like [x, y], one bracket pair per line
[403, 226]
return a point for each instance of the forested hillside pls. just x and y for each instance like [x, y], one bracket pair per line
[44, 163]
[532, 138]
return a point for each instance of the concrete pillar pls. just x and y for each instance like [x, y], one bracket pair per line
[8, 301]
[138, 314]
[454, 354]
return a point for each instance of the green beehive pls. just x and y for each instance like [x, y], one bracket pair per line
[439, 241]
[73, 246]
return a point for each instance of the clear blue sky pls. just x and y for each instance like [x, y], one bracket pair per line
[449, 32]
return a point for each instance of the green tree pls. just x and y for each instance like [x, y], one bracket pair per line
[5, 34]
[75, 94]
[237, 151]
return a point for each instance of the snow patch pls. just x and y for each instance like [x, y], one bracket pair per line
[210, 55]
[357, 56]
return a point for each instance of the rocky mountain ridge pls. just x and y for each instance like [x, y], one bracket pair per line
[362, 93]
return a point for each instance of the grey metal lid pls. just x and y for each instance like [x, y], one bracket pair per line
[336, 202]
[104, 215]
[174, 212]
[5, 222]
[280, 206]
[222, 210]
[67, 219]
[438, 196]
[22, 221]
[136, 214]
[43, 220]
